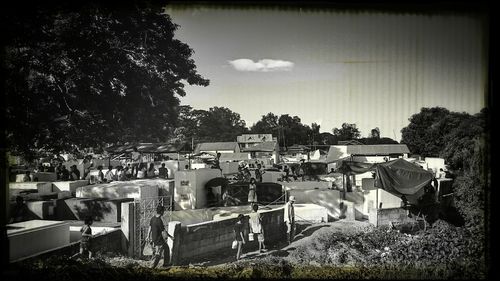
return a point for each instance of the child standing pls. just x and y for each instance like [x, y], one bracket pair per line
[256, 226]
[85, 243]
[238, 234]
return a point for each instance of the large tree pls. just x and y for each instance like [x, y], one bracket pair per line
[346, 132]
[219, 124]
[424, 135]
[268, 124]
[293, 131]
[90, 76]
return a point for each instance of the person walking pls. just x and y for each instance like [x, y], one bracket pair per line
[157, 234]
[85, 243]
[252, 192]
[289, 217]
[256, 227]
[238, 235]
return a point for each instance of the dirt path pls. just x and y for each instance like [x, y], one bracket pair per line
[305, 233]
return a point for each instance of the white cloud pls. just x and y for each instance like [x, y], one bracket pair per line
[263, 65]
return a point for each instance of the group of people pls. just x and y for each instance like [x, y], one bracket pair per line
[256, 229]
[126, 173]
[293, 172]
[158, 235]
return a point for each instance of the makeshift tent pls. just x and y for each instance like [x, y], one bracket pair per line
[401, 177]
[398, 177]
[354, 168]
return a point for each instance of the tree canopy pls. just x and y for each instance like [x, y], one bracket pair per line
[437, 132]
[346, 132]
[92, 76]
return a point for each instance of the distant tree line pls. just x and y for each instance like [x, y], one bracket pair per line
[222, 124]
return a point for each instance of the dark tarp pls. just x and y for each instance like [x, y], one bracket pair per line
[400, 177]
[353, 167]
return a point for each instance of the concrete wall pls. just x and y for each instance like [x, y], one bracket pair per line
[229, 168]
[35, 236]
[190, 190]
[311, 213]
[41, 187]
[70, 186]
[307, 185]
[109, 241]
[43, 210]
[207, 238]
[271, 176]
[329, 199]
[389, 215]
[144, 188]
[102, 210]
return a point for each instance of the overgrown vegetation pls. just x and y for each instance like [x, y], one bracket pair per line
[440, 252]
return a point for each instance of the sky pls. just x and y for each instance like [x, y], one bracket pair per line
[329, 67]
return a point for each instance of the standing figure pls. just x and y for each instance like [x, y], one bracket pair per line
[163, 172]
[256, 227]
[252, 192]
[136, 161]
[238, 235]
[85, 243]
[87, 164]
[289, 217]
[156, 233]
[258, 173]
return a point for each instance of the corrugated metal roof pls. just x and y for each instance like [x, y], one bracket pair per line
[268, 146]
[377, 149]
[144, 147]
[216, 146]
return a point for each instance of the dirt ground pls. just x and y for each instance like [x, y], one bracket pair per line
[306, 234]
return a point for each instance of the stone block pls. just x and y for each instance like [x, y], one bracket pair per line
[41, 187]
[147, 188]
[45, 176]
[32, 237]
[70, 186]
[43, 210]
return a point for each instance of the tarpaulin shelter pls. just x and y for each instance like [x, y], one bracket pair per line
[401, 177]
[398, 177]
